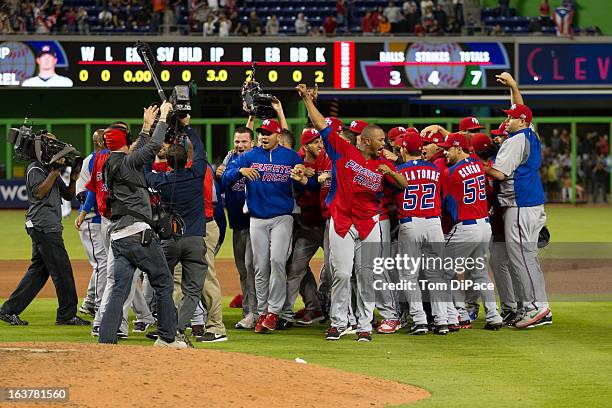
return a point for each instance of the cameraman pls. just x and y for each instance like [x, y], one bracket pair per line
[49, 257]
[133, 243]
[182, 190]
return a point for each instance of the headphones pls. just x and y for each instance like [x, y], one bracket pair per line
[119, 126]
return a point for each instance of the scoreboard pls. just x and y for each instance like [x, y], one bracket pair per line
[342, 65]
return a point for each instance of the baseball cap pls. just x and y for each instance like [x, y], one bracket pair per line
[470, 123]
[519, 111]
[431, 137]
[480, 142]
[308, 135]
[455, 140]
[411, 141]
[335, 123]
[396, 132]
[357, 126]
[270, 126]
[502, 129]
[46, 49]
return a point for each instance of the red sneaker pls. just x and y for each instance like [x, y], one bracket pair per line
[236, 302]
[310, 317]
[465, 324]
[299, 314]
[270, 321]
[259, 327]
[389, 326]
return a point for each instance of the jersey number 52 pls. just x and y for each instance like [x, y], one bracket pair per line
[474, 188]
[411, 196]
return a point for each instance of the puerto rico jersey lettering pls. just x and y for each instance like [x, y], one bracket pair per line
[422, 197]
[464, 187]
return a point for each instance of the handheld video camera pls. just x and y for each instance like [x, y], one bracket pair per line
[257, 103]
[30, 145]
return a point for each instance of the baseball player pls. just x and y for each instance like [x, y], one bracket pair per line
[420, 233]
[308, 238]
[88, 223]
[47, 77]
[463, 188]
[269, 199]
[355, 236]
[239, 223]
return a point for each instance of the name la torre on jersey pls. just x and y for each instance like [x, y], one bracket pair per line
[360, 64]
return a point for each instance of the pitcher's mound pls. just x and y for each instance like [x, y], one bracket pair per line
[119, 376]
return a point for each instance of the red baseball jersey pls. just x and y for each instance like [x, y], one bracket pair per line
[97, 185]
[323, 164]
[388, 196]
[464, 189]
[422, 197]
[356, 186]
[439, 160]
[309, 202]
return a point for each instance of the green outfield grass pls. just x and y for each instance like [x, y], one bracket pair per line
[566, 224]
[564, 365]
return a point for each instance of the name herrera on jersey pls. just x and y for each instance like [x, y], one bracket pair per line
[365, 177]
[273, 172]
[469, 170]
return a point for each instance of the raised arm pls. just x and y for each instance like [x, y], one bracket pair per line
[515, 94]
[146, 154]
[317, 119]
[199, 151]
[278, 108]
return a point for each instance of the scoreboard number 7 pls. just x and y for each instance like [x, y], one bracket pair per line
[476, 77]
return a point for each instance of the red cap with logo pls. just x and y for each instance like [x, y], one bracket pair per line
[470, 123]
[357, 126]
[335, 123]
[411, 141]
[432, 137]
[308, 135]
[270, 126]
[480, 142]
[455, 140]
[518, 111]
[396, 132]
[502, 129]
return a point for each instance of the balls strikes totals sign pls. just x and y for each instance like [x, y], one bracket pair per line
[431, 72]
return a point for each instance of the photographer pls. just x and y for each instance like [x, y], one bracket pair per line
[182, 189]
[49, 257]
[134, 244]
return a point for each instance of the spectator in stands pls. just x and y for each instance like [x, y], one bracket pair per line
[393, 15]
[70, 19]
[426, 4]
[408, 4]
[459, 11]
[314, 31]
[367, 28]
[272, 26]
[434, 29]
[601, 181]
[453, 26]
[419, 31]
[105, 18]
[199, 11]
[411, 18]
[377, 16]
[440, 16]
[208, 29]
[225, 26]
[349, 16]
[213, 4]
[330, 26]
[159, 7]
[340, 12]
[384, 26]
[236, 24]
[447, 6]
[544, 9]
[254, 24]
[5, 26]
[301, 25]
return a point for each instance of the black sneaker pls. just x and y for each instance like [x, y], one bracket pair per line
[507, 316]
[95, 331]
[418, 329]
[546, 320]
[75, 321]
[333, 333]
[12, 319]
[511, 322]
[282, 324]
[152, 335]
[88, 310]
[140, 327]
[441, 329]
[364, 336]
[493, 326]
[209, 337]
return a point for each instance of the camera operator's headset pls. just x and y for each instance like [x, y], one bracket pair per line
[119, 126]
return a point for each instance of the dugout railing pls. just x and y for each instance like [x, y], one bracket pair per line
[218, 133]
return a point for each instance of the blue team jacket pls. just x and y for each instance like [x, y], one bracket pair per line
[234, 199]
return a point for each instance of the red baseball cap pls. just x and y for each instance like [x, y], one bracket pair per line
[411, 141]
[357, 126]
[308, 135]
[519, 111]
[480, 142]
[431, 137]
[396, 132]
[455, 140]
[270, 125]
[502, 129]
[335, 123]
[470, 123]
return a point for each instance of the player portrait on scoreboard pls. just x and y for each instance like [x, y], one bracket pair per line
[47, 77]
